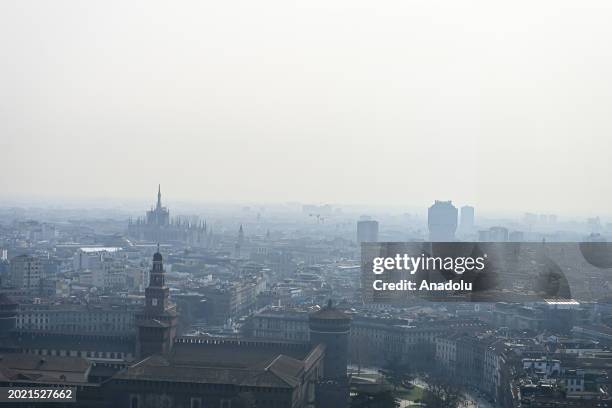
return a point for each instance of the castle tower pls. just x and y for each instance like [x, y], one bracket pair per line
[157, 321]
[330, 327]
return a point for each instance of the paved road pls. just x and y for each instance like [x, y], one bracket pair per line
[474, 401]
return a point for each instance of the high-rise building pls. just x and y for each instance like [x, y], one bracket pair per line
[466, 222]
[26, 272]
[442, 221]
[367, 231]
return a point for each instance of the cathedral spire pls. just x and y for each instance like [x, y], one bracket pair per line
[159, 196]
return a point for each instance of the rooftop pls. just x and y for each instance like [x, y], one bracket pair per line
[43, 363]
[264, 364]
[329, 312]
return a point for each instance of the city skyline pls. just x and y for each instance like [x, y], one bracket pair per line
[306, 204]
[187, 208]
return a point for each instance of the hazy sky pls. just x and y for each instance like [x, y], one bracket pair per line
[505, 105]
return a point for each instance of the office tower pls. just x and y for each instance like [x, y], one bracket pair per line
[467, 219]
[367, 231]
[442, 221]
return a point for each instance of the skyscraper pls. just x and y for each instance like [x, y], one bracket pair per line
[466, 222]
[367, 231]
[442, 221]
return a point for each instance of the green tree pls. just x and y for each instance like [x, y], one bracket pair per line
[384, 399]
[442, 393]
[396, 373]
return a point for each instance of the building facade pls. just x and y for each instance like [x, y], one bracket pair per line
[367, 231]
[442, 221]
[26, 273]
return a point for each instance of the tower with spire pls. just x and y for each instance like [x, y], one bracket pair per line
[239, 242]
[159, 204]
[240, 235]
[158, 216]
[157, 321]
[157, 226]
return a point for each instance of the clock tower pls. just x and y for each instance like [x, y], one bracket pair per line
[157, 321]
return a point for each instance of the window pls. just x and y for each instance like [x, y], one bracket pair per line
[196, 403]
[134, 401]
[154, 302]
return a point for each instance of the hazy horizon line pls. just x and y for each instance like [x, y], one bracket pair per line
[131, 204]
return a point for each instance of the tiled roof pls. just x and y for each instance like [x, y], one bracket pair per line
[263, 365]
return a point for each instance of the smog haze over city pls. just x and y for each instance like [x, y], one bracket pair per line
[306, 204]
[327, 102]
